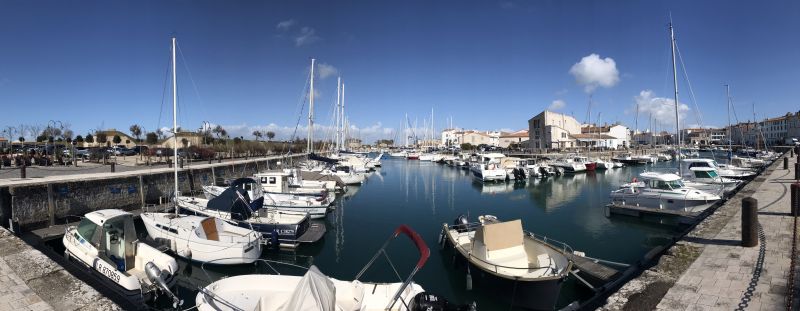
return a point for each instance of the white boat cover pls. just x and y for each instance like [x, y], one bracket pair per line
[314, 291]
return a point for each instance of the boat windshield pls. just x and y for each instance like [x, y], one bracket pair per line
[666, 185]
[702, 174]
[712, 174]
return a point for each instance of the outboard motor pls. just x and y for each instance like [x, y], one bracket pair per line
[461, 223]
[154, 274]
[431, 302]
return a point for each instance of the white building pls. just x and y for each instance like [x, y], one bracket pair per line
[614, 136]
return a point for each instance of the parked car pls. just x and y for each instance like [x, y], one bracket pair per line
[140, 149]
[124, 152]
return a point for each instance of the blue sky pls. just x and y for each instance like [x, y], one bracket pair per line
[488, 65]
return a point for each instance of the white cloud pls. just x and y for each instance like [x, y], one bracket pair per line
[285, 25]
[307, 36]
[661, 109]
[593, 71]
[557, 104]
[325, 70]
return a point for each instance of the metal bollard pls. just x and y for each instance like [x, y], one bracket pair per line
[786, 163]
[169, 162]
[113, 167]
[795, 199]
[749, 222]
[797, 171]
[180, 163]
[22, 170]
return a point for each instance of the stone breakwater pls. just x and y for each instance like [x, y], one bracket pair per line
[35, 203]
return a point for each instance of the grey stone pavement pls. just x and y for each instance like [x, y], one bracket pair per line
[30, 281]
[725, 273]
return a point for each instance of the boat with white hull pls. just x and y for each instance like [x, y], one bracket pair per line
[276, 201]
[663, 191]
[316, 291]
[106, 243]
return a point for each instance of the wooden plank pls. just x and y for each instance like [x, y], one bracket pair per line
[593, 269]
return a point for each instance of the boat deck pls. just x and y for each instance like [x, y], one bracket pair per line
[316, 230]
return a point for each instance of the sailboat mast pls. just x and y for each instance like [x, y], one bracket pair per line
[344, 125]
[730, 138]
[338, 111]
[175, 124]
[675, 84]
[310, 143]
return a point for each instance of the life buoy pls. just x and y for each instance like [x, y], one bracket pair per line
[634, 180]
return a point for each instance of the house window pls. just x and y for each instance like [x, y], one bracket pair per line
[272, 180]
[563, 135]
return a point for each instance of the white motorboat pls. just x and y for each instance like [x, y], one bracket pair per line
[281, 182]
[630, 159]
[316, 291]
[106, 243]
[663, 191]
[570, 165]
[724, 170]
[707, 179]
[505, 259]
[489, 168]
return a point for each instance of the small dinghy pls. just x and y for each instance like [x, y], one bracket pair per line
[105, 241]
[316, 291]
[501, 257]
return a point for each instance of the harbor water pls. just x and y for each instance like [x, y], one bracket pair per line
[424, 195]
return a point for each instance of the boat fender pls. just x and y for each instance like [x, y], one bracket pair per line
[469, 279]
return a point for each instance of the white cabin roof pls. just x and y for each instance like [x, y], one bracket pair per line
[659, 176]
[101, 216]
[493, 155]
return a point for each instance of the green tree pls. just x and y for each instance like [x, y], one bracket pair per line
[21, 139]
[79, 139]
[89, 138]
[258, 134]
[184, 142]
[270, 135]
[117, 139]
[136, 131]
[466, 146]
[101, 137]
[151, 138]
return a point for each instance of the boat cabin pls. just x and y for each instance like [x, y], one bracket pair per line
[661, 181]
[274, 181]
[112, 234]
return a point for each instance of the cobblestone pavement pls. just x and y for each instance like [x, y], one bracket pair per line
[727, 276]
[15, 294]
[30, 281]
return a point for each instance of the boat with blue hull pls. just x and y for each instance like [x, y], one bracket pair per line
[287, 229]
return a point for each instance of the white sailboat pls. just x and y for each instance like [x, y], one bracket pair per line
[199, 238]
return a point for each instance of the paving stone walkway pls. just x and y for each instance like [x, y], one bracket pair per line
[30, 281]
[727, 276]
